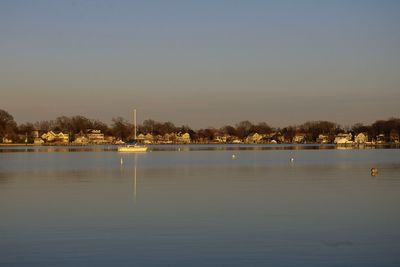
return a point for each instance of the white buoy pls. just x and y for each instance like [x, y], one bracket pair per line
[233, 156]
[291, 159]
[122, 161]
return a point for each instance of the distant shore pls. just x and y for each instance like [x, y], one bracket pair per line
[386, 145]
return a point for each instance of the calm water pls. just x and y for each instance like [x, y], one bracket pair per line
[199, 206]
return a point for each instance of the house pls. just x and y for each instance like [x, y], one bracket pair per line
[52, 137]
[299, 138]
[168, 138]
[343, 138]
[148, 138]
[221, 138]
[38, 141]
[279, 137]
[322, 139]
[255, 138]
[119, 142]
[361, 138]
[140, 138]
[35, 134]
[380, 139]
[95, 136]
[81, 140]
[394, 136]
[6, 140]
[183, 138]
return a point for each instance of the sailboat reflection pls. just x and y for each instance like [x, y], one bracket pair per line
[131, 172]
[134, 179]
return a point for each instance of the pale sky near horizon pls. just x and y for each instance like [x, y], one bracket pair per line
[201, 63]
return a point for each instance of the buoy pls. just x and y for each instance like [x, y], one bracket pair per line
[122, 161]
[291, 159]
[233, 156]
[374, 171]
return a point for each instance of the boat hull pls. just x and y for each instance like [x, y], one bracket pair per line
[132, 149]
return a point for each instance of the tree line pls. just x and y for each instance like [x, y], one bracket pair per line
[122, 129]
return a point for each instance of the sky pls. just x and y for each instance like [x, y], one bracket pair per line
[201, 63]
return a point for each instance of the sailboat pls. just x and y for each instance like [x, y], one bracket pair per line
[134, 147]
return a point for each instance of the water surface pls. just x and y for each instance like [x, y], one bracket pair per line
[199, 206]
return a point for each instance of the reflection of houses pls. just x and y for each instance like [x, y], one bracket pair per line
[361, 138]
[343, 138]
[323, 139]
[299, 138]
[52, 137]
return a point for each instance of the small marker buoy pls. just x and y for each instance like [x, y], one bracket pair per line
[233, 156]
[291, 159]
[122, 161]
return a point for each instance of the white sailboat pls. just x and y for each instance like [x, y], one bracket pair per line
[134, 147]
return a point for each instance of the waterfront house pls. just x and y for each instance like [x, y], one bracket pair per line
[148, 138]
[95, 136]
[168, 138]
[322, 139]
[81, 140]
[361, 138]
[38, 141]
[299, 138]
[6, 140]
[52, 137]
[183, 138]
[254, 138]
[278, 137]
[343, 138]
[380, 139]
[140, 138]
[119, 142]
[394, 136]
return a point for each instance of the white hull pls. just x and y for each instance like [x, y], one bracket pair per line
[133, 148]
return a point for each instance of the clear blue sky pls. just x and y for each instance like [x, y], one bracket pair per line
[202, 63]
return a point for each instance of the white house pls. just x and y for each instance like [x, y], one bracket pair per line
[343, 138]
[361, 138]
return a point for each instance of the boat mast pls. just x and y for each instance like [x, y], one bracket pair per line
[134, 122]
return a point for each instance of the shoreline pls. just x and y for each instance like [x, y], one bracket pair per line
[358, 146]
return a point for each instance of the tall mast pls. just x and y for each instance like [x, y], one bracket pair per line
[134, 122]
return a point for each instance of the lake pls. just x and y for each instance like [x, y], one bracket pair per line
[199, 205]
